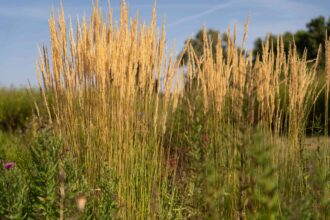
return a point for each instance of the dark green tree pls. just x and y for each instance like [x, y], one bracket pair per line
[287, 38]
[309, 39]
[316, 30]
[198, 42]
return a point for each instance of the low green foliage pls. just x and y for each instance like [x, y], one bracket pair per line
[14, 193]
[31, 188]
[44, 177]
[16, 109]
[264, 179]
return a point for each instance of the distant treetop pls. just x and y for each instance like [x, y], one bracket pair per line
[311, 38]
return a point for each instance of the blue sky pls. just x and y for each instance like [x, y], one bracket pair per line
[24, 24]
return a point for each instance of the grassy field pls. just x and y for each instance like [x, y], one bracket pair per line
[121, 130]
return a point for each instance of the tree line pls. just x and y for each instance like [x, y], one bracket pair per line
[310, 38]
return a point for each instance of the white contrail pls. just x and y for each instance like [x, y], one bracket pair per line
[193, 17]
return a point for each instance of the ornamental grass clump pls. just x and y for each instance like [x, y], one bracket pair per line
[156, 146]
[273, 92]
[101, 77]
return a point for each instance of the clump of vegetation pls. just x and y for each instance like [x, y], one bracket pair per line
[16, 109]
[46, 184]
[124, 127]
[133, 134]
